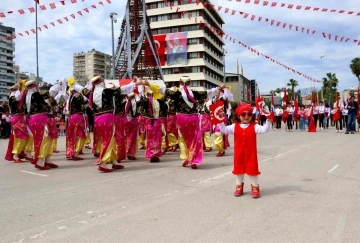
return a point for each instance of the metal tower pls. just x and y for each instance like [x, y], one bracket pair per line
[136, 54]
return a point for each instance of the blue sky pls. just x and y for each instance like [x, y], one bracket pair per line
[294, 49]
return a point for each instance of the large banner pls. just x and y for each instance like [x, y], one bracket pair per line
[176, 48]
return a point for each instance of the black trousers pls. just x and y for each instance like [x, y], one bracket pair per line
[316, 119]
[289, 123]
[278, 122]
[321, 120]
[262, 120]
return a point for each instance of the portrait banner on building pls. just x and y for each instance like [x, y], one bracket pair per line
[176, 48]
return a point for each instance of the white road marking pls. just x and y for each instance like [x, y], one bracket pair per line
[82, 222]
[37, 235]
[89, 212]
[333, 168]
[32, 173]
[62, 227]
[215, 177]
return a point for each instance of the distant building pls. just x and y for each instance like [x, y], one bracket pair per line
[87, 65]
[186, 48]
[7, 49]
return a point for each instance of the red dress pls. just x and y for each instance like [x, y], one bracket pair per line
[245, 151]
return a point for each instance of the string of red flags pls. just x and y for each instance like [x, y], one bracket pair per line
[42, 7]
[298, 7]
[59, 21]
[279, 24]
[233, 40]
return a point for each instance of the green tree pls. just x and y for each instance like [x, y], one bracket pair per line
[355, 67]
[292, 83]
[330, 83]
[278, 90]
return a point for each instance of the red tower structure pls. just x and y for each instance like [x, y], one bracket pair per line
[136, 54]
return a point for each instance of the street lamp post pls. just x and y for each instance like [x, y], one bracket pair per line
[322, 89]
[113, 20]
[37, 41]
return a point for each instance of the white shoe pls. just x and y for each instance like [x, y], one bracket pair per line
[340, 131]
[337, 131]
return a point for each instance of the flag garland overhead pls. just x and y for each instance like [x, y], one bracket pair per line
[296, 7]
[60, 21]
[43, 7]
[279, 24]
[222, 34]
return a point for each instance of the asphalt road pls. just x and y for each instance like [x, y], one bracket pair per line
[310, 188]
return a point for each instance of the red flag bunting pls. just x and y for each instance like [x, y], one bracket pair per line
[93, 6]
[43, 7]
[52, 23]
[86, 10]
[32, 10]
[101, 3]
[80, 13]
[66, 18]
[72, 15]
[52, 5]
[59, 20]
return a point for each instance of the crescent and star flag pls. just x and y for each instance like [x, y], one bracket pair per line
[160, 45]
[217, 113]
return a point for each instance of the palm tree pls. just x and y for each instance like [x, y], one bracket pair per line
[278, 90]
[355, 67]
[330, 83]
[292, 83]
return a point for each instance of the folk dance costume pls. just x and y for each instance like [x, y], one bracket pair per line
[163, 114]
[245, 149]
[206, 126]
[149, 108]
[19, 136]
[131, 125]
[37, 109]
[120, 120]
[142, 133]
[76, 129]
[221, 140]
[188, 121]
[101, 100]
[171, 129]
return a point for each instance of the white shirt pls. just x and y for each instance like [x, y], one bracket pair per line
[327, 109]
[290, 110]
[316, 110]
[278, 111]
[321, 109]
[258, 128]
[345, 112]
[6, 118]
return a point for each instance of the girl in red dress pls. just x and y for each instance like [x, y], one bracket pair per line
[245, 148]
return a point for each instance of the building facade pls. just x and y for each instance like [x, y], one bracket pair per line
[187, 48]
[240, 86]
[7, 49]
[87, 65]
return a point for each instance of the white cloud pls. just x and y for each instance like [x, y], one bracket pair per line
[299, 51]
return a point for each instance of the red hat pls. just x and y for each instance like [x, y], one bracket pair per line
[243, 108]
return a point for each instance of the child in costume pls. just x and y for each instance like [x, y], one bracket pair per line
[245, 148]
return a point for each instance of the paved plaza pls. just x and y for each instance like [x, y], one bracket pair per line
[310, 186]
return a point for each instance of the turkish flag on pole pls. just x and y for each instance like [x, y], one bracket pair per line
[217, 113]
[160, 45]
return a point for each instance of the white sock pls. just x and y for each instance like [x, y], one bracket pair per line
[41, 162]
[116, 163]
[254, 180]
[106, 166]
[16, 156]
[239, 179]
[47, 159]
[28, 154]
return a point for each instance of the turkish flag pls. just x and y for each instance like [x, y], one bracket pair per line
[160, 45]
[217, 113]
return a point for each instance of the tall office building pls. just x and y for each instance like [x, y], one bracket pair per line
[7, 49]
[87, 65]
[184, 47]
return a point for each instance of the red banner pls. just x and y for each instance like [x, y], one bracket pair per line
[217, 113]
[160, 45]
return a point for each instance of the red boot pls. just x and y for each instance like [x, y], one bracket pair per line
[51, 165]
[208, 150]
[239, 190]
[194, 166]
[255, 191]
[105, 170]
[220, 154]
[185, 163]
[41, 167]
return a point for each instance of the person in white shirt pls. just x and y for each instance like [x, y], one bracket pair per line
[289, 120]
[278, 116]
[321, 110]
[316, 115]
[327, 116]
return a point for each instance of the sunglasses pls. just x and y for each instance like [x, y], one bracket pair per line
[246, 114]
